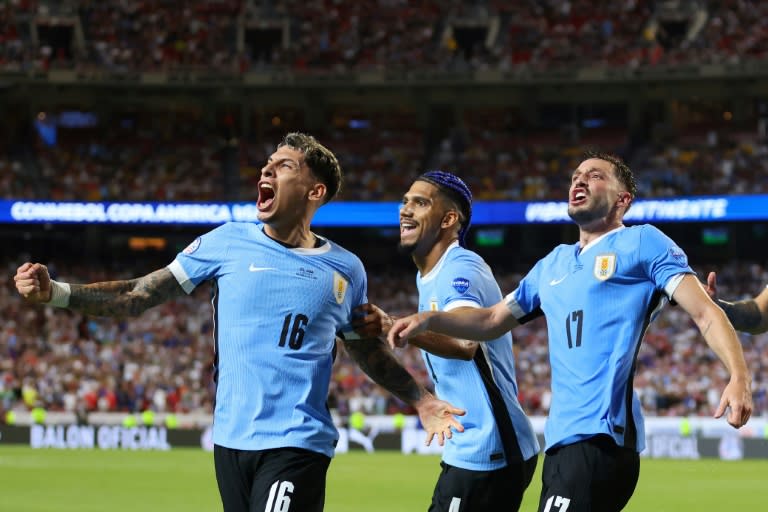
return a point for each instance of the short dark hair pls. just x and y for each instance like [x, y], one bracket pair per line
[320, 160]
[456, 191]
[622, 170]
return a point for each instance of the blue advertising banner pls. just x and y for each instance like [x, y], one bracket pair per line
[351, 214]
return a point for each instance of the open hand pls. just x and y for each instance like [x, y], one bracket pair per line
[438, 417]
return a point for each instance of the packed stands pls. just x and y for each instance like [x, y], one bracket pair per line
[317, 36]
[380, 156]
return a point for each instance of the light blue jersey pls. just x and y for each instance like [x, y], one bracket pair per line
[598, 302]
[277, 311]
[485, 387]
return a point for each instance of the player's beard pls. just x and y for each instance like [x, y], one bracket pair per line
[588, 215]
[406, 249]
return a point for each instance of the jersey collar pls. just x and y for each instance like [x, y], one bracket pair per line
[436, 269]
[597, 240]
[307, 251]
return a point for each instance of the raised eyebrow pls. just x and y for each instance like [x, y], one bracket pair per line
[283, 159]
[414, 197]
[591, 169]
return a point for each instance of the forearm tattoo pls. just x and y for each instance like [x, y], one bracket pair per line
[382, 366]
[125, 298]
[744, 314]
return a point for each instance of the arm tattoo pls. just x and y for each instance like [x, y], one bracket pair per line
[744, 314]
[382, 366]
[125, 298]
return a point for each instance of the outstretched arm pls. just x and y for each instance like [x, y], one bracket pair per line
[370, 321]
[375, 359]
[110, 298]
[721, 337]
[480, 324]
[750, 315]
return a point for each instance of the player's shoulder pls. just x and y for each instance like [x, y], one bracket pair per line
[641, 230]
[462, 257]
[214, 239]
[462, 254]
[646, 234]
[559, 251]
[343, 254]
[232, 228]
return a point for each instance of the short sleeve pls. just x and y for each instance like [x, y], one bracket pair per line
[201, 259]
[662, 260]
[460, 283]
[524, 301]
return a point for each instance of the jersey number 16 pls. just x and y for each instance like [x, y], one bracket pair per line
[293, 334]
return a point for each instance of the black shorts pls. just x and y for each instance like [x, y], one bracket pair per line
[595, 475]
[501, 490]
[278, 480]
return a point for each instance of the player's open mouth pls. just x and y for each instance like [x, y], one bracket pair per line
[578, 197]
[407, 227]
[266, 196]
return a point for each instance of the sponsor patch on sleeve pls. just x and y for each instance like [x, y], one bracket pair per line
[678, 255]
[460, 284]
[192, 247]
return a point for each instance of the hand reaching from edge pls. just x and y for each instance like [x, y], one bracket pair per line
[405, 327]
[370, 321]
[711, 286]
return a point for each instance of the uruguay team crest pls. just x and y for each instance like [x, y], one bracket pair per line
[433, 305]
[605, 266]
[339, 287]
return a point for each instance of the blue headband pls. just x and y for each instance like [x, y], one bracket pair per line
[458, 191]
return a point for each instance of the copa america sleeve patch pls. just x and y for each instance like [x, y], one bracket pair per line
[460, 284]
[679, 256]
[192, 247]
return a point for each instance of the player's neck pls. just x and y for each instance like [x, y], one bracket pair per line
[590, 232]
[292, 236]
[426, 262]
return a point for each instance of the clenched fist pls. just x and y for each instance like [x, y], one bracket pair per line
[33, 282]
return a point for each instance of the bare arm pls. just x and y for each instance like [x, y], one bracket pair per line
[376, 360]
[480, 324]
[750, 315]
[110, 298]
[370, 321]
[722, 339]
[125, 298]
[437, 416]
[444, 346]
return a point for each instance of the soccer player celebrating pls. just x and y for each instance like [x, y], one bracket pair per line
[490, 465]
[749, 315]
[598, 296]
[281, 295]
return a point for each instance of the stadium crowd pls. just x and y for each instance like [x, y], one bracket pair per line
[376, 35]
[163, 360]
[379, 163]
[174, 157]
